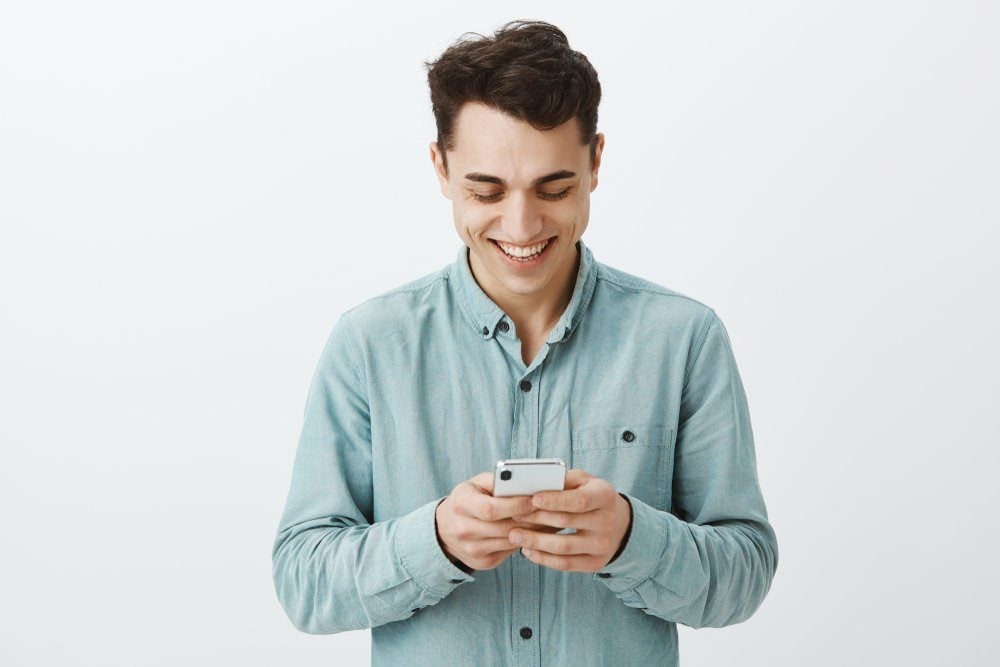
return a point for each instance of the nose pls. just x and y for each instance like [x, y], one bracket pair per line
[522, 219]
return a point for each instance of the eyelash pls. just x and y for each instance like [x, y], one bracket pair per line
[554, 196]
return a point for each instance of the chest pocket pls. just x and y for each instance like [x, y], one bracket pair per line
[637, 459]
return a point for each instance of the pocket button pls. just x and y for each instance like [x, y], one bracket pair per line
[628, 436]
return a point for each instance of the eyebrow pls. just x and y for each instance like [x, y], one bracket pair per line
[554, 176]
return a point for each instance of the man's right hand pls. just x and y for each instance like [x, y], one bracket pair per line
[472, 526]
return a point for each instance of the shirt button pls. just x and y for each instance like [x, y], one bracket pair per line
[486, 331]
[456, 581]
[525, 385]
[526, 632]
[504, 326]
[628, 436]
[603, 575]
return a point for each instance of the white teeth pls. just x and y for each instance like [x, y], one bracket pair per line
[516, 251]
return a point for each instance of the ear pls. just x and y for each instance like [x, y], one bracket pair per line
[598, 150]
[438, 162]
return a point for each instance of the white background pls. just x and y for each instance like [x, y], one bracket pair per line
[192, 192]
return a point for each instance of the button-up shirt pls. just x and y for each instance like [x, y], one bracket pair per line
[423, 387]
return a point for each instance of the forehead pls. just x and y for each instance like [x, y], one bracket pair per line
[492, 142]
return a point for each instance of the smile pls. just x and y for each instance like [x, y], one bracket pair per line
[523, 254]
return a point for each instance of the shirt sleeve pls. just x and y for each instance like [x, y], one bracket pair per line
[334, 568]
[710, 561]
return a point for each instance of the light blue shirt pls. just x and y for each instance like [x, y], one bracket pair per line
[422, 387]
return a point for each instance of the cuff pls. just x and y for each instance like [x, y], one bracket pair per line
[420, 555]
[647, 541]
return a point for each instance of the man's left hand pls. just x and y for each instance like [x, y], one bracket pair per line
[587, 503]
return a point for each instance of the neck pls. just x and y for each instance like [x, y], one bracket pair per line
[534, 315]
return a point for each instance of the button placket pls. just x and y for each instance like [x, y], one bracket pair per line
[525, 577]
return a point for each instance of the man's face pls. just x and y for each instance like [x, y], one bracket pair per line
[522, 210]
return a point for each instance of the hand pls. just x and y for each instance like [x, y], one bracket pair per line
[472, 526]
[589, 504]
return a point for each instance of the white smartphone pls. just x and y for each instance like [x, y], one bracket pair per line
[525, 477]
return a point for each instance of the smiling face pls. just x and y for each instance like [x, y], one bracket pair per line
[521, 200]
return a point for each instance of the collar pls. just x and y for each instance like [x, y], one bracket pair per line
[484, 314]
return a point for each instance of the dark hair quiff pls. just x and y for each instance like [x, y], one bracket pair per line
[527, 70]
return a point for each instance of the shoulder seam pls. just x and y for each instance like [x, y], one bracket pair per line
[429, 282]
[662, 291]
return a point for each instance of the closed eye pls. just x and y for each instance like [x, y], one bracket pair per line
[551, 196]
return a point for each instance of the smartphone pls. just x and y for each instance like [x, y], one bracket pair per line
[525, 477]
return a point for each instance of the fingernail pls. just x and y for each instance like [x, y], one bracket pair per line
[515, 537]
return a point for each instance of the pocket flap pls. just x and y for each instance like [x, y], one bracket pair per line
[621, 435]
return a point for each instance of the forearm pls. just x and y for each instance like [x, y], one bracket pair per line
[332, 577]
[698, 575]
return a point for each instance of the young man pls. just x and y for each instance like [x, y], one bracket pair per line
[524, 347]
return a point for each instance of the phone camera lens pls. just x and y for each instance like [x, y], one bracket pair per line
[505, 475]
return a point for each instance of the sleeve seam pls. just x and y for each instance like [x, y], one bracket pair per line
[701, 345]
[357, 368]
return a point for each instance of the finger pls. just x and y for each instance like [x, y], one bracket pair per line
[540, 527]
[582, 563]
[584, 520]
[476, 529]
[487, 508]
[575, 477]
[576, 500]
[480, 548]
[564, 544]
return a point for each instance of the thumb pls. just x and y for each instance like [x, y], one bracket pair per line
[483, 481]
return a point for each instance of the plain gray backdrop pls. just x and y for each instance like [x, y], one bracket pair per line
[191, 193]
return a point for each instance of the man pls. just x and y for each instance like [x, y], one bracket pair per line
[524, 347]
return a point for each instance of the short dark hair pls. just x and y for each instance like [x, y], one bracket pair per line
[527, 70]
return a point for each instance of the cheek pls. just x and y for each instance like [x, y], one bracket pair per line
[469, 222]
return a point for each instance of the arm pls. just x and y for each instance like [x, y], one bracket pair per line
[710, 562]
[335, 569]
